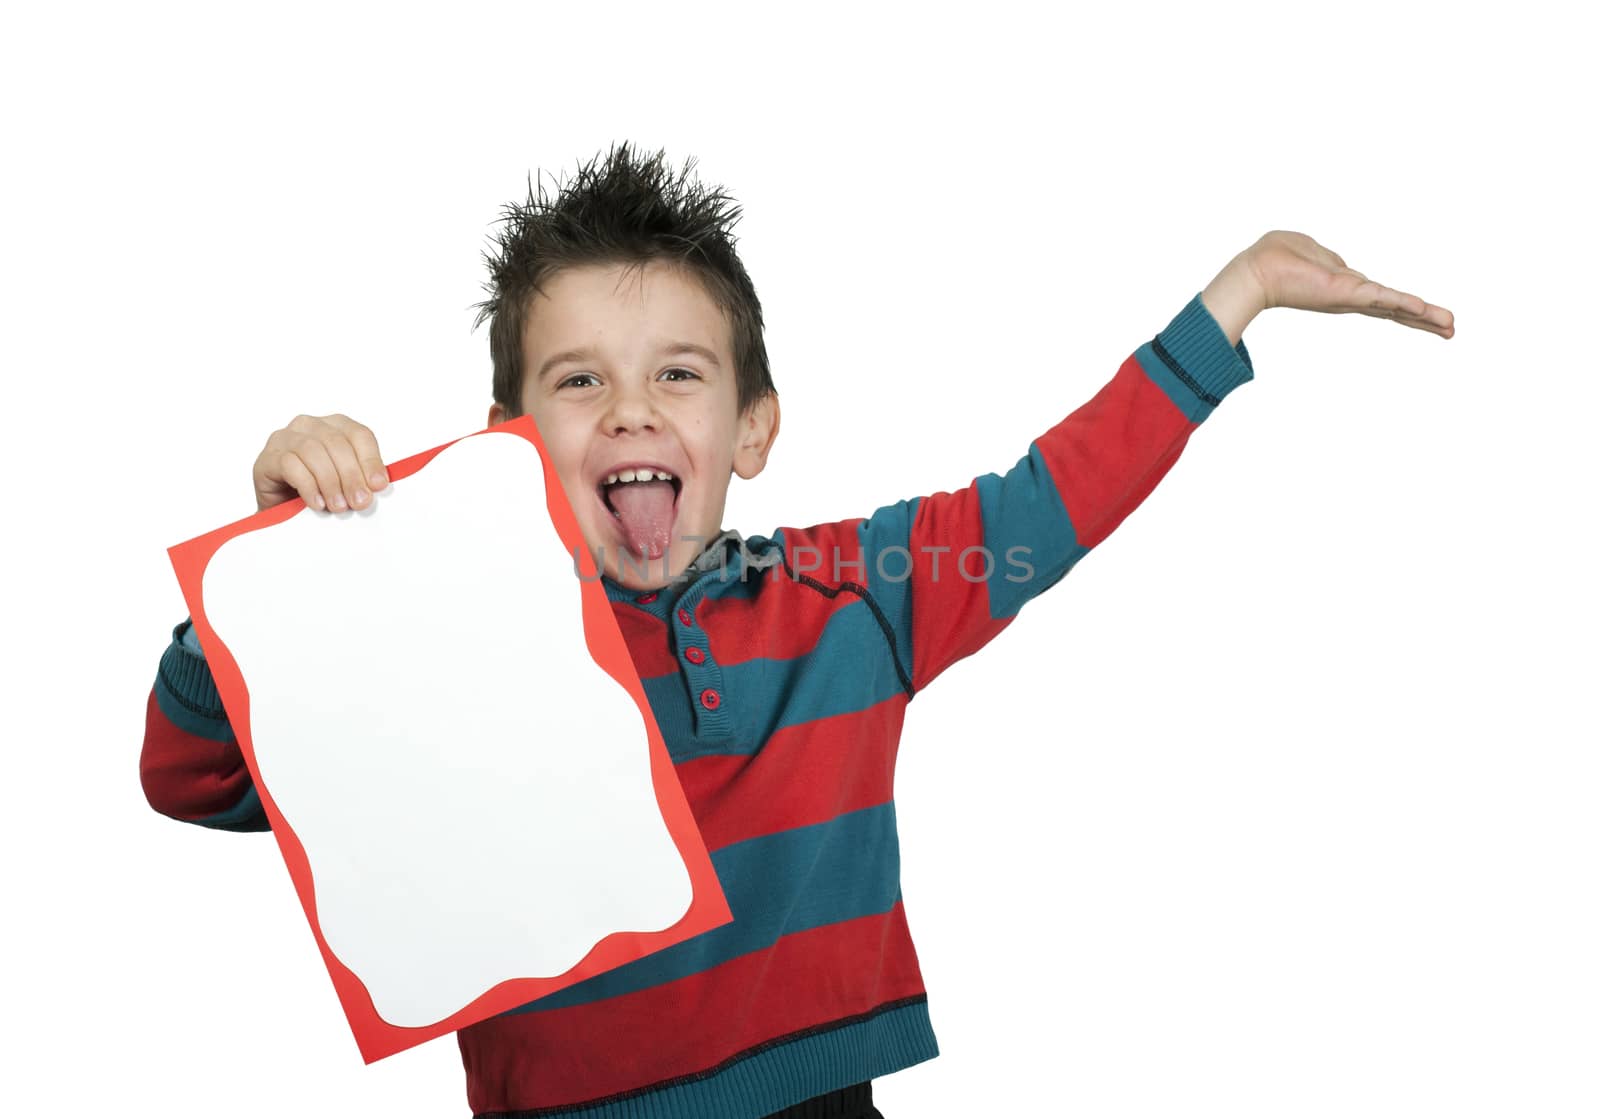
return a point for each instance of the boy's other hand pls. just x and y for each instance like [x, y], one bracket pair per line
[330, 461]
[1295, 271]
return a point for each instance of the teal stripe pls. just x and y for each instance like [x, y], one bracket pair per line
[884, 538]
[186, 693]
[775, 884]
[813, 686]
[1022, 510]
[776, 1076]
[849, 669]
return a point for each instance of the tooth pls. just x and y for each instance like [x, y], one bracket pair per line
[638, 476]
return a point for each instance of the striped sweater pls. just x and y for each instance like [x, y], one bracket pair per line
[779, 669]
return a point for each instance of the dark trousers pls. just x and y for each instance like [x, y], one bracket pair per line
[854, 1102]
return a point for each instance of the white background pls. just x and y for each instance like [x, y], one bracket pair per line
[1283, 803]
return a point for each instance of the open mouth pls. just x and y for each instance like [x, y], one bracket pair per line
[643, 505]
[604, 492]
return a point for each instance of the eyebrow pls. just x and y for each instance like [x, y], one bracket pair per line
[667, 349]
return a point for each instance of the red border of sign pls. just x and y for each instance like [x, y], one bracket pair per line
[375, 1037]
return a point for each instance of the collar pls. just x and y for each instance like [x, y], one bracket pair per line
[728, 558]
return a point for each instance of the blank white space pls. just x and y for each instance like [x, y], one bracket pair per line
[472, 790]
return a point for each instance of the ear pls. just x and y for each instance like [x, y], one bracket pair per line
[497, 415]
[758, 430]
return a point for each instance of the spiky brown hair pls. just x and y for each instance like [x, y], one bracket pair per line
[630, 210]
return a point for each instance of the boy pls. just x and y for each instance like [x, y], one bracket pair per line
[778, 668]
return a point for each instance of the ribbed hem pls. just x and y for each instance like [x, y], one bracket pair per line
[777, 1075]
[187, 678]
[1196, 352]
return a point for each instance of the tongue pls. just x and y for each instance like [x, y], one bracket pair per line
[645, 510]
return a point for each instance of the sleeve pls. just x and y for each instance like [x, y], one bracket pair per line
[949, 571]
[191, 766]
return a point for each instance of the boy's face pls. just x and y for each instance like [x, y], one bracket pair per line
[632, 399]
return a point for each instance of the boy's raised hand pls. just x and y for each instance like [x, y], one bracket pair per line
[330, 461]
[1295, 271]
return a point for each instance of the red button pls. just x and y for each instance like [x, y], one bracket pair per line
[694, 654]
[685, 617]
[651, 597]
[710, 698]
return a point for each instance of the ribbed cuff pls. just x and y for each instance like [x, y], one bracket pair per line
[187, 677]
[1196, 352]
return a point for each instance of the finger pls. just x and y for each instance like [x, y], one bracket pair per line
[1440, 318]
[314, 453]
[1401, 302]
[367, 453]
[1435, 319]
[297, 475]
[1446, 330]
[1413, 310]
[1428, 322]
[352, 479]
[1405, 306]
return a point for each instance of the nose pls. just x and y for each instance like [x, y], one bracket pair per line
[631, 409]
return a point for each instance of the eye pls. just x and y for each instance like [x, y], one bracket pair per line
[572, 380]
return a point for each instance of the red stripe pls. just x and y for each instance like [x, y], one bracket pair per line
[829, 553]
[565, 1057]
[1108, 455]
[784, 621]
[804, 774]
[185, 776]
[950, 618]
[645, 636]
